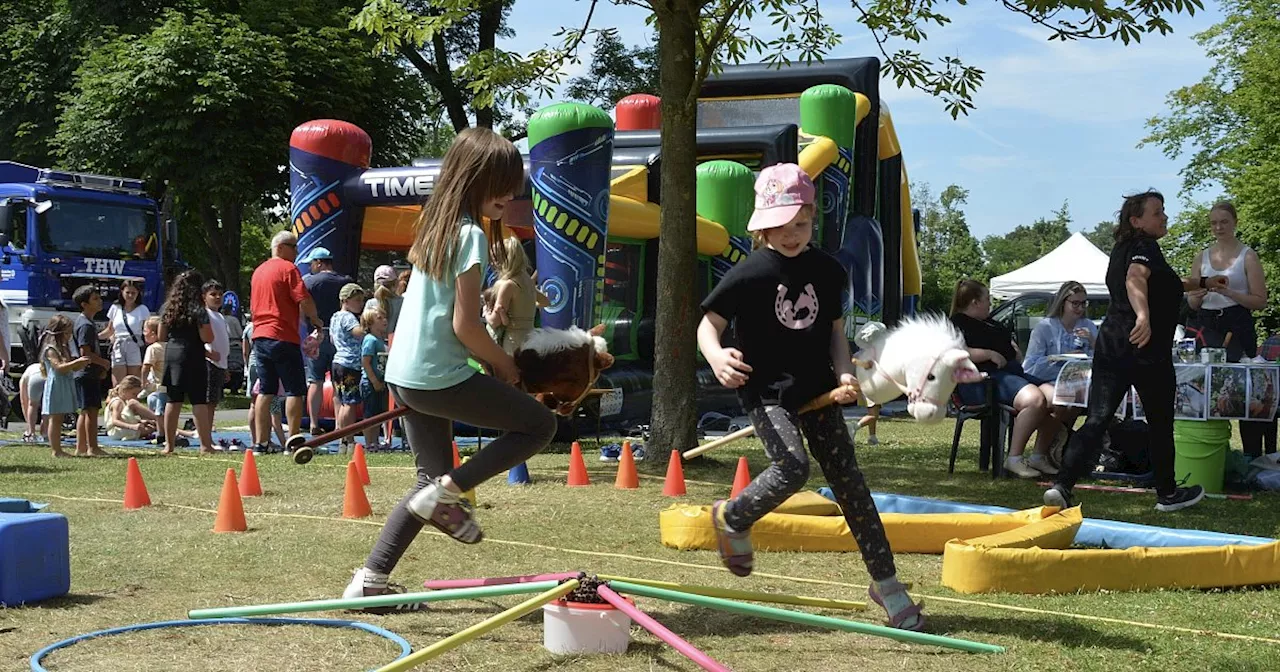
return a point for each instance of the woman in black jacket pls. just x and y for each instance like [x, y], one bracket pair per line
[1135, 348]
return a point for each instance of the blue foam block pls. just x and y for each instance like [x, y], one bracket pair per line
[14, 505]
[35, 557]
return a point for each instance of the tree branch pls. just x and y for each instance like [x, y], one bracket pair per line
[441, 82]
[709, 46]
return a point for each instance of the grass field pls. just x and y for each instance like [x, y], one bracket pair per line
[156, 563]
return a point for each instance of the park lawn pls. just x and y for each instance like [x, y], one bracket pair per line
[156, 563]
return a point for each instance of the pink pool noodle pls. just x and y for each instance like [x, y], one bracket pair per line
[445, 584]
[660, 631]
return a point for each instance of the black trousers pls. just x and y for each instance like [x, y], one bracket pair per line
[1214, 325]
[1112, 377]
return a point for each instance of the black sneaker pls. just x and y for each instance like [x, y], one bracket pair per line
[1058, 496]
[1182, 498]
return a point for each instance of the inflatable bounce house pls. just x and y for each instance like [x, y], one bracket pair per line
[591, 206]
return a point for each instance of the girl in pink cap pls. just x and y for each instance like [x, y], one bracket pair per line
[788, 347]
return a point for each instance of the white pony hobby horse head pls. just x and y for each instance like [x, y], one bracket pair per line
[923, 358]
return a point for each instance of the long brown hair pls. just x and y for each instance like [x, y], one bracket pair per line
[1135, 205]
[480, 165]
[967, 291]
[52, 338]
[1068, 289]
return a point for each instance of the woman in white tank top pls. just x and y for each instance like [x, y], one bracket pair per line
[1230, 310]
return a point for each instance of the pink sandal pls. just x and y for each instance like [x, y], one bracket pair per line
[735, 548]
[896, 620]
[448, 517]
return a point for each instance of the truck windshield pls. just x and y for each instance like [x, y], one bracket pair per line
[99, 230]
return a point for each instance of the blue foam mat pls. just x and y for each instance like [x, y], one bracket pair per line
[1094, 532]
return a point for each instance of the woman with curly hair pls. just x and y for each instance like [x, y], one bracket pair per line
[184, 325]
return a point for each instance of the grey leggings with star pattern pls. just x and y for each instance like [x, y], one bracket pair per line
[829, 441]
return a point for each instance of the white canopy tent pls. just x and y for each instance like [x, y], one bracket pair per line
[1076, 259]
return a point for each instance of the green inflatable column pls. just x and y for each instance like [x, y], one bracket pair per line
[570, 154]
[830, 110]
[726, 195]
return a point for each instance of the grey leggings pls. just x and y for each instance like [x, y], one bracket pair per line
[832, 447]
[480, 401]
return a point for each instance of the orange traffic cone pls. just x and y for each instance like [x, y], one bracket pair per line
[354, 502]
[361, 466]
[627, 478]
[135, 490]
[674, 485]
[740, 479]
[230, 508]
[457, 457]
[250, 486]
[577, 468]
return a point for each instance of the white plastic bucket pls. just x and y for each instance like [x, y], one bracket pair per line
[575, 627]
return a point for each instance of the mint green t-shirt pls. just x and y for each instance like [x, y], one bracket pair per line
[427, 354]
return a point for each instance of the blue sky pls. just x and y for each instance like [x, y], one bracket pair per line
[1053, 122]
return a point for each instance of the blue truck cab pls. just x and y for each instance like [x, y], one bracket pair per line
[60, 230]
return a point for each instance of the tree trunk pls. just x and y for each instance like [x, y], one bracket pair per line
[490, 21]
[222, 229]
[674, 421]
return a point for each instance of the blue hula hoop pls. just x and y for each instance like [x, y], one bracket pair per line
[405, 649]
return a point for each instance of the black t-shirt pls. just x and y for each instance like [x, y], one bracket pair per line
[184, 338]
[324, 287]
[781, 311]
[85, 334]
[1164, 299]
[986, 335]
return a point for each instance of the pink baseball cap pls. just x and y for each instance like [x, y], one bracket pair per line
[781, 191]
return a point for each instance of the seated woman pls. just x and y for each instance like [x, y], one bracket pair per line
[991, 347]
[1065, 330]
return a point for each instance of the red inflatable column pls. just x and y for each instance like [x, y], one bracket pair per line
[639, 112]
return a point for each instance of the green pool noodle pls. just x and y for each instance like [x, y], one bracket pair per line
[374, 601]
[805, 618]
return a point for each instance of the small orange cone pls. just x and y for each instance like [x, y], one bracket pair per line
[135, 490]
[740, 479]
[250, 486]
[361, 466]
[457, 457]
[577, 468]
[674, 485]
[627, 478]
[354, 502]
[230, 508]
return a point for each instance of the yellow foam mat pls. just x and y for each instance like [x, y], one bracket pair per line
[810, 522]
[1020, 552]
[1035, 560]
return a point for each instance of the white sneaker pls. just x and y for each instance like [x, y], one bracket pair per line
[872, 440]
[359, 588]
[1015, 465]
[1041, 464]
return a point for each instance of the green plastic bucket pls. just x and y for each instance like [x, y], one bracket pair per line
[1200, 452]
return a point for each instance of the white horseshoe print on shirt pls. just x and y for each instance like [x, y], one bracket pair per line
[798, 315]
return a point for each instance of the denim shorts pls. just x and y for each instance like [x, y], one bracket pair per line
[1008, 382]
[280, 363]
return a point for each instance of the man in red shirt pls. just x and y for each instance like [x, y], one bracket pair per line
[279, 299]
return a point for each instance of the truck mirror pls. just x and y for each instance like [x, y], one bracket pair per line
[43, 207]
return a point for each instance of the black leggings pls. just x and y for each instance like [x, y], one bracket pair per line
[832, 447]
[1112, 377]
[480, 401]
